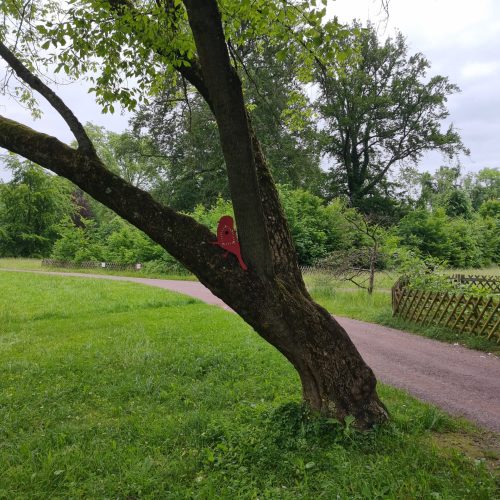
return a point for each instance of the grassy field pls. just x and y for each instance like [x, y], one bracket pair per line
[384, 280]
[116, 390]
[339, 297]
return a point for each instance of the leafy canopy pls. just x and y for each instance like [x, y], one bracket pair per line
[131, 49]
[380, 110]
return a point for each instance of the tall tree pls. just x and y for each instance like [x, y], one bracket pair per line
[444, 188]
[380, 112]
[154, 40]
[197, 172]
[483, 186]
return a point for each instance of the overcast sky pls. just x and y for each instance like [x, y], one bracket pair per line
[461, 38]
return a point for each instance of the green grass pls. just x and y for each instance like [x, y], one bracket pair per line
[339, 297]
[36, 265]
[20, 263]
[383, 280]
[358, 304]
[116, 390]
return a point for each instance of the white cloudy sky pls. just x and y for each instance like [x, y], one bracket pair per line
[461, 38]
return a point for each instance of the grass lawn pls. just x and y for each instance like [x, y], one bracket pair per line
[117, 390]
[384, 280]
[339, 297]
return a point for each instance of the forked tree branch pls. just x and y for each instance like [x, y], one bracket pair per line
[83, 140]
[284, 255]
[225, 91]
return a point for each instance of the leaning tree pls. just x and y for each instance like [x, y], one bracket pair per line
[148, 42]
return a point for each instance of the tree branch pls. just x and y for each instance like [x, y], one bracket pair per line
[181, 235]
[83, 140]
[185, 239]
[192, 73]
[277, 228]
[194, 76]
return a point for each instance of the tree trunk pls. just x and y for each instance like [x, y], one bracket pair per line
[271, 295]
[373, 262]
[336, 382]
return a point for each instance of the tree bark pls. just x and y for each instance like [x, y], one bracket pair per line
[335, 379]
[271, 295]
[226, 96]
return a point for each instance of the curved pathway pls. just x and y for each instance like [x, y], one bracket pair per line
[461, 381]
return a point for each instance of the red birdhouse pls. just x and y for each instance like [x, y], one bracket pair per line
[227, 239]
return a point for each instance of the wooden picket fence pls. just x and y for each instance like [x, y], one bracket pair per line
[490, 283]
[114, 266]
[458, 311]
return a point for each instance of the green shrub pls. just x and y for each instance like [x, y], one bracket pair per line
[458, 241]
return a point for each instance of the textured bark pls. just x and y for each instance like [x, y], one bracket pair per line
[271, 295]
[226, 97]
[335, 379]
[286, 264]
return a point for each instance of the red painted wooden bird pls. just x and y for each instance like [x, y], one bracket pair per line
[227, 239]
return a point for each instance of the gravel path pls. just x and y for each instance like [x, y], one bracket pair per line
[461, 381]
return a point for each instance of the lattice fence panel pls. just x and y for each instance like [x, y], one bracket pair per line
[460, 312]
[489, 283]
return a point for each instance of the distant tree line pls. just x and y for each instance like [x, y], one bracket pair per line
[373, 117]
[451, 218]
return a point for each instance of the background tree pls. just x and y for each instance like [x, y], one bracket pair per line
[185, 130]
[134, 158]
[444, 189]
[358, 264]
[483, 186]
[379, 112]
[151, 41]
[32, 205]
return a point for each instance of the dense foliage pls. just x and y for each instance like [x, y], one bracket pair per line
[184, 130]
[42, 215]
[32, 205]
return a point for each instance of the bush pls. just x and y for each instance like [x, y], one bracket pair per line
[128, 245]
[489, 242]
[210, 216]
[77, 244]
[490, 209]
[452, 239]
[317, 229]
[115, 241]
[165, 265]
